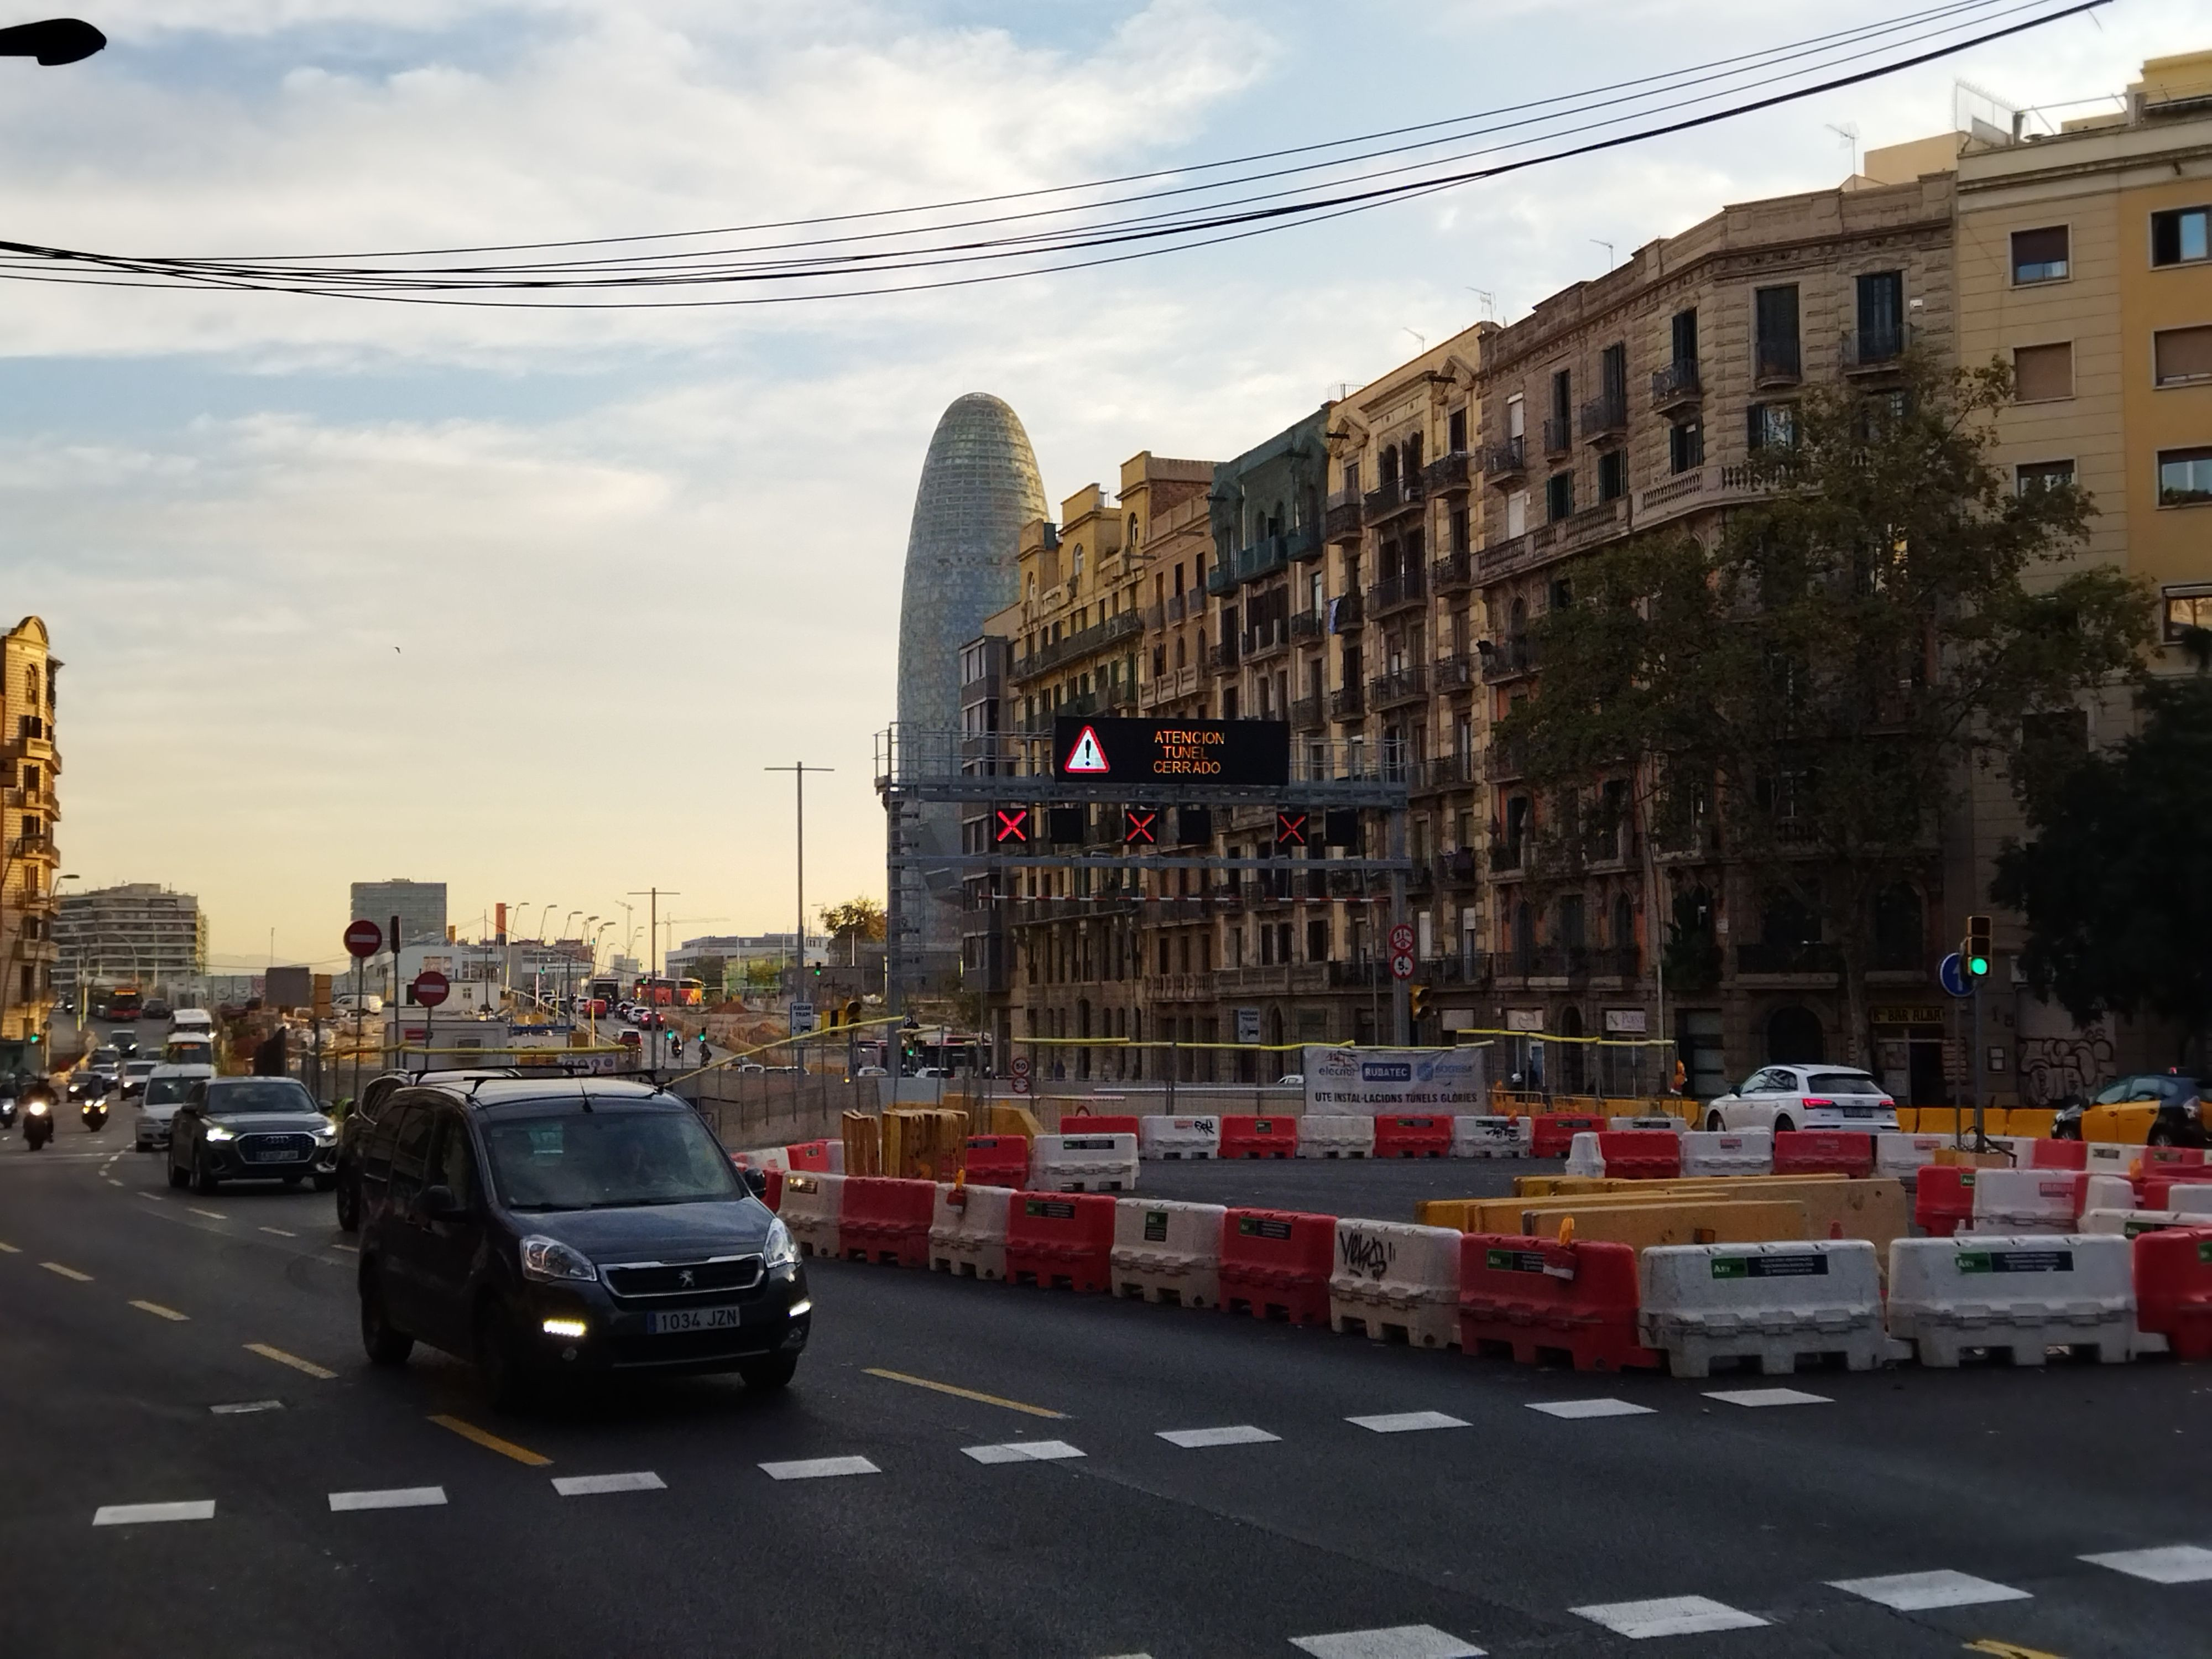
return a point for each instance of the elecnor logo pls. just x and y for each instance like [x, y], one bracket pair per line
[1386, 1071]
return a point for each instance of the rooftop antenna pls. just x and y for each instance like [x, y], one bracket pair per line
[1489, 301]
[1849, 132]
[1608, 246]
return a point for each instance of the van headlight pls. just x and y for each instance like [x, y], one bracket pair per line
[548, 1259]
[780, 1253]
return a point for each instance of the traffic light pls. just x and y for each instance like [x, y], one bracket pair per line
[1417, 1000]
[1012, 828]
[1975, 956]
[850, 1014]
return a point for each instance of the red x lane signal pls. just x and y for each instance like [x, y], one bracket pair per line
[1140, 826]
[1012, 829]
[1289, 829]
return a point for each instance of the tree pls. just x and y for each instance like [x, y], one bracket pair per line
[1803, 692]
[854, 920]
[2117, 884]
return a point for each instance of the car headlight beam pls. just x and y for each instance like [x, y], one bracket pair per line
[216, 1131]
[780, 1253]
[550, 1260]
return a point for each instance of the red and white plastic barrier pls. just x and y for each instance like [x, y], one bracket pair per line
[1168, 1252]
[967, 1230]
[1396, 1282]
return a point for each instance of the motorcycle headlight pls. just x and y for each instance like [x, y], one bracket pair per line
[550, 1259]
[780, 1253]
[37, 1108]
[216, 1131]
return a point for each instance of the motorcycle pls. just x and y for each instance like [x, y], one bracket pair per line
[94, 1113]
[38, 1120]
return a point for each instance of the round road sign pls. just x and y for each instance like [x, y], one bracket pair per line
[1021, 1085]
[1401, 940]
[1953, 973]
[1401, 966]
[363, 938]
[1020, 1066]
[431, 988]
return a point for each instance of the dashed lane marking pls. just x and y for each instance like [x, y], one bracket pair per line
[246, 1407]
[350, 1249]
[212, 1215]
[1669, 1615]
[1576, 1410]
[1756, 1397]
[157, 1197]
[1407, 1422]
[1242, 1434]
[1918, 1592]
[280, 1232]
[112, 1181]
[490, 1442]
[962, 1394]
[1399, 1642]
[392, 1497]
[291, 1359]
[2169, 1563]
[1023, 1451]
[10, 1250]
[819, 1468]
[66, 1273]
[159, 1311]
[591, 1485]
[131, 1514]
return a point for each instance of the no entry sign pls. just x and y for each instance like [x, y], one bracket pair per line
[431, 988]
[363, 938]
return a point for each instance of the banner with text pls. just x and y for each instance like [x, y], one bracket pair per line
[1347, 1082]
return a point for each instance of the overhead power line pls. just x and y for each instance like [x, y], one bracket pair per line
[906, 250]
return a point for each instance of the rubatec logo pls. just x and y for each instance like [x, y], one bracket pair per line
[1386, 1071]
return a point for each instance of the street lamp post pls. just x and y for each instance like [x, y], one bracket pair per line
[799, 941]
[53, 41]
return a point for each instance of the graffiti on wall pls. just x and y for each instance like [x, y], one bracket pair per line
[2075, 1064]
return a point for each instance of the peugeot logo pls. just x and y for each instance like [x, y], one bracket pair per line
[683, 1278]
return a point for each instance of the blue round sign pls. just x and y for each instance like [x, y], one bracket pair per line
[1953, 973]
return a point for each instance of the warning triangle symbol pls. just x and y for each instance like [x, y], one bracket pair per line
[1087, 754]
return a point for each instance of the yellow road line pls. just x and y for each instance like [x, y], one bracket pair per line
[291, 1359]
[212, 1215]
[490, 1442]
[962, 1394]
[2008, 1649]
[160, 1312]
[66, 1273]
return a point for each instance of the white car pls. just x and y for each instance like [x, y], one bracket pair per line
[165, 1090]
[1804, 1097]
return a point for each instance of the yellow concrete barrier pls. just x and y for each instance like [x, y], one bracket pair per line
[1015, 1121]
[2035, 1120]
[1748, 1221]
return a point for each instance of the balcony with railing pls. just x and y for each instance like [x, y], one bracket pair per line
[1220, 578]
[1777, 363]
[1506, 857]
[1559, 434]
[1447, 475]
[1456, 671]
[1306, 713]
[1348, 702]
[1340, 516]
[1400, 686]
[1505, 462]
[1441, 772]
[1265, 638]
[1505, 758]
[1263, 558]
[1604, 416]
[1307, 626]
[1222, 657]
[1083, 642]
[1675, 385]
[1391, 498]
[1808, 957]
[1174, 608]
[1454, 573]
[1397, 593]
[1873, 350]
[1351, 611]
[1460, 867]
[1509, 658]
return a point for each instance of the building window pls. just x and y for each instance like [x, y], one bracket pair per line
[1770, 425]
[2187, 607]
[1458, 529]
[1685, 446]
[2182, 355]
[1881, 315]
[2179, 237]
[2185, 477]
[1775, 323]
[1455, 431]
[1516, 513]
[1613, 475]
[2042, 374]
[2031, 475]
[1683, 331]
[1558, 497]
[2039, 256]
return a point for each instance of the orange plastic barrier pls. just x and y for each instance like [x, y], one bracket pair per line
[811, 1156]
[1529, 1298]
[886, 1220]
[1275, 1264]
[1943, 1198]
[2174, 1288]
[997, 1160]
[1060, 1238]
[1246, 1136]
[1554, 1132]
[1641, 1154]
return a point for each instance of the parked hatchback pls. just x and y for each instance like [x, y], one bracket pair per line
[1783, 1097]
[589, 1227]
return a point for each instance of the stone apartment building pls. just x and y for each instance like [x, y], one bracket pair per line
[33, 768]
[1631, 404]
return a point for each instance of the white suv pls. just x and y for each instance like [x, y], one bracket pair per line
[165, 1090]
[1804, 1097]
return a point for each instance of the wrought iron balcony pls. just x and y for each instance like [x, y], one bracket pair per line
[1509, 657]
[1447, 475]
[1454, 573]
[1398, 592]
[1559, 434]
[1392, 497]
[1505, 461]
[1604, 416]
[1351, 611]
[1777, 363]
[1347, 703]
[1677, 384]
[1307, 625]
[1455, 673]
[1340, 516]
[1403, 685]
[1306, 713]
[1873, 350]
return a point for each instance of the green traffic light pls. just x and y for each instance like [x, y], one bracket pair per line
[1977, 966]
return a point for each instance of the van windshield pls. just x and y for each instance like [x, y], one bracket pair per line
[168, 1091]
[604, 1160]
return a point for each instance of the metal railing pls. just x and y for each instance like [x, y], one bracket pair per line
[1446, 474]
[1559, 434]
[1869, 350]
[1677, 383]
[1394, 593]
[1604, 414]
[1408, 684]
[1777, 363]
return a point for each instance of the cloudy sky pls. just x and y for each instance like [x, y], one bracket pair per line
[526, 602]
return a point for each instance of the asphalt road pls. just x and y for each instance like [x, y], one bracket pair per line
[134, 1316]
[1380, 1190]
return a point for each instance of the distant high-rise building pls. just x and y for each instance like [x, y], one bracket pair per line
[138, 934]
[979, 487]
[420, 906]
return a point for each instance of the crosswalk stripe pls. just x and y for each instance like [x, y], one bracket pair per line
[1407, 1422]
[2168, 1563]
[1918, 1592]
[591, 1485]
[1023, 1451]
[1670, 1615]
[1242, 1434]
[818, 1469]
[391, 1498]
[1575, 1410]
[66, 1273]
[1398, 1642]
[131, 1514]
[1767, 1397]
